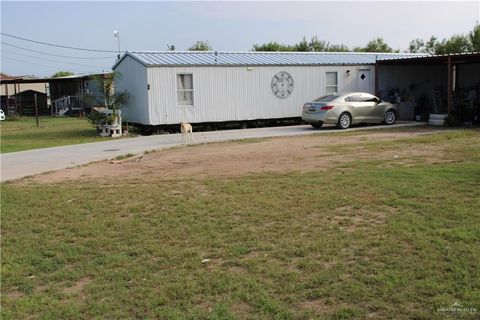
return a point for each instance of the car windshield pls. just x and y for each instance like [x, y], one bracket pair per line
[327, 98]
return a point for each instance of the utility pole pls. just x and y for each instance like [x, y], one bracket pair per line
[36, 109]
[117, 35]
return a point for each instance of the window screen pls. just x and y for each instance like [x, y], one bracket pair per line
[185, 89]
[331, 82]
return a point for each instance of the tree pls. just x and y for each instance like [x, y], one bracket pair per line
[474, 37]
[62, 74]
[315, 45]
[430, 45]
[376, 45]
[273, 46]
[302, 46]
[456, 44]
[201, 46]
[420, 46]
[318, 45]
[338, 48]
[106, 96]
[416, 46]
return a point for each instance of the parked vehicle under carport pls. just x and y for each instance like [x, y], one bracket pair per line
[345, 109]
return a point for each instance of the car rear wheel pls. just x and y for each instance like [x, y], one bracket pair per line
[317, 125]
[390, 117]
[344, 121]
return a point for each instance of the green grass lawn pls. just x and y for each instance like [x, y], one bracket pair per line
[364, 239]
[24, 135]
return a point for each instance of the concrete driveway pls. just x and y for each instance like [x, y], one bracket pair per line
[17, 165]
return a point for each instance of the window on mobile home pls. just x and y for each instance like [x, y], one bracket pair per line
[331, 82]
[185, 89]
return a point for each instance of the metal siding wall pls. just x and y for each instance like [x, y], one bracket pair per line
[133, 80]
[402, 76]
[235, 93]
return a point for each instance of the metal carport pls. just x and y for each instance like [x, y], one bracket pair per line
[453, 78]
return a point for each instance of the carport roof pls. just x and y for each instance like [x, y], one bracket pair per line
[221, 58]
[29, 79]
[455, 58]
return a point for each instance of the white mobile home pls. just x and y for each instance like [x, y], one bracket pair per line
[200, 87]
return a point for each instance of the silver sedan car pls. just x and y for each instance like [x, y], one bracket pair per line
[345, 109]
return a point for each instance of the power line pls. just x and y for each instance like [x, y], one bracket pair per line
[54, 45]
[37, 64]
[42, 65]
[57, 61]
[51, 54]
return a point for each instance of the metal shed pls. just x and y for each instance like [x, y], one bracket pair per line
[202, 87]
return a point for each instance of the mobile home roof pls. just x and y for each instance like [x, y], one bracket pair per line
[214, 58]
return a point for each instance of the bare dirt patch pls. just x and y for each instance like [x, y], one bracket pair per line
[77, 287]
[319, 306]
[14, 294]
[302, 153]
[350, 219]
[242, 310]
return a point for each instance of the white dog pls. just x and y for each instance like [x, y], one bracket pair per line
[187, 132]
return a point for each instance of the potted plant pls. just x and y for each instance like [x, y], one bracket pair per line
[437, 118]
[100, 121]
[107, 115]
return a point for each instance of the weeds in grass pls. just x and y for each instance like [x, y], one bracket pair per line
[124, 156]
[252, 140]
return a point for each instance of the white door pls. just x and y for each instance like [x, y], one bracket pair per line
[364, 80]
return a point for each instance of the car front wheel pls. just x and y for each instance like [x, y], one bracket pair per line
[390, 117]
[344, 121]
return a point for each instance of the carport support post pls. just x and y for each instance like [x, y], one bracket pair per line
[36, 109]
[6, 94]
[19, 101]
[449, 93]
[16, 97]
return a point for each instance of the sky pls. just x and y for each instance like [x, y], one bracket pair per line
[226, 25]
